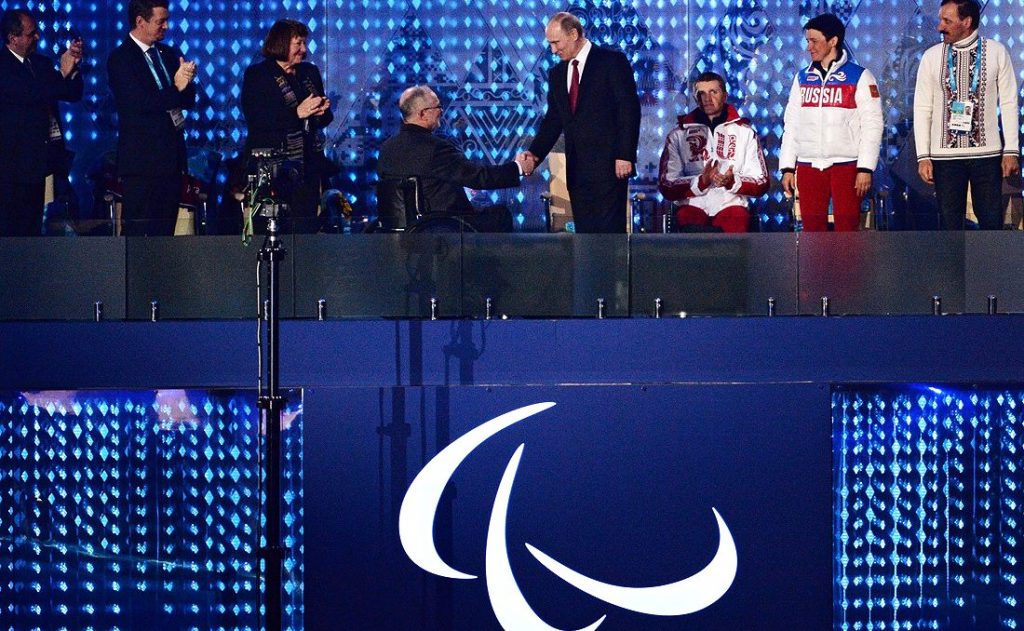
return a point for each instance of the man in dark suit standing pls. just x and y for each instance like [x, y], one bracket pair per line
[30, 132]
[442, 169]
[592, 99]
[152, 84]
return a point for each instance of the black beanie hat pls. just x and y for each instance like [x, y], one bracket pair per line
[829, 25]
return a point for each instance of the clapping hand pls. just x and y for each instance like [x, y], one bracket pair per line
[723, 180]
[313, 105]
[708, 175]
[185, 74]
[71, 58]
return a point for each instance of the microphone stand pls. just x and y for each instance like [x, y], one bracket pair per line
[272, 403]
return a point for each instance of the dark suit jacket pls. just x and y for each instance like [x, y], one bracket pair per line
[27, 98]
[443, 169]
[271, 119]
[147, 142]
[605, 127]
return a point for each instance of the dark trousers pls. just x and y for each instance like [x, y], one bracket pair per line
[303, 206]
[21, 209]
[488, 219]
[599, 206]
[150, 205]
[986, 178]
[491, 219]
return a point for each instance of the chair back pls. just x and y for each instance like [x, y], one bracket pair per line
[399, 202]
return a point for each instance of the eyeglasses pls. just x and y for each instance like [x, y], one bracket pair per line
[439, 108]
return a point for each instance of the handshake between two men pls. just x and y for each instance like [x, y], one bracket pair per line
[528, 162]
[443, 170]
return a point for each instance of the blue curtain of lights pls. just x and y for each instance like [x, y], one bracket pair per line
[929, 490]
[488, 60]
[121, 510]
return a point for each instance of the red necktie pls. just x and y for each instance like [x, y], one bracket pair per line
[574, 87]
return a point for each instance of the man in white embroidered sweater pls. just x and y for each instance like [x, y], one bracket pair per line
[960, 84]
[712, 163]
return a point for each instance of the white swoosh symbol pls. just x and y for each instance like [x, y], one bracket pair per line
[416, 532]
[416, 517]
[674, 599]
[507, 601]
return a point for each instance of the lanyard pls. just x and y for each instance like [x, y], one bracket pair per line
[152, 68]
[951, 64]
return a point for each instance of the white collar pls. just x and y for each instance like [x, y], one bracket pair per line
[20, 58]
[145, 47]
[582, 55]
[967, 42]
[837, 63]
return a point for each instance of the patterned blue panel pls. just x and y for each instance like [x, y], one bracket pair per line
[490, 100]
[928, 509]
[125, 510]
[409, 57]
[734, 43]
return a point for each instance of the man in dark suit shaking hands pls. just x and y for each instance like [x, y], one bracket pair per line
[152, 84]
[592, 99]
[30, 132]
[443, 170]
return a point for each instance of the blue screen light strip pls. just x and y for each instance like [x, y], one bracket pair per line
[124, 509]
[927, 508]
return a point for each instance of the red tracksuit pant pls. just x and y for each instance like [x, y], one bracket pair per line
[817, 185]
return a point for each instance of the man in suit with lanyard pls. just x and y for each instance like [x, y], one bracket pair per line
[152, 85]
[30, 131]
[592, 99]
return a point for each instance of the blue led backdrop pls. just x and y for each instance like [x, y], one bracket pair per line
[488, 61]
[127, 509]
[928, 508]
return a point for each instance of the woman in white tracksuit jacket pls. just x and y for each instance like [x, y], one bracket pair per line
[833, 131]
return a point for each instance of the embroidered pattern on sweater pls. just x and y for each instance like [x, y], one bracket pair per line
[966, 61]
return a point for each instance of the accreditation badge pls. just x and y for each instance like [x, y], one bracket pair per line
[54, 129]
[961, 116]
[178, 118]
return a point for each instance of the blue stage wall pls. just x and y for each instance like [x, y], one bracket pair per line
[866, 468]
[896, 349]
[617, 482]
[489, 61]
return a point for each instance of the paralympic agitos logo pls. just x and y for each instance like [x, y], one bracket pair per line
[415, 529]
